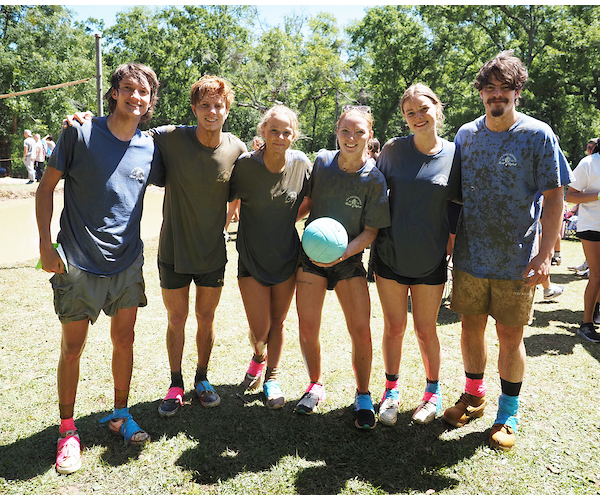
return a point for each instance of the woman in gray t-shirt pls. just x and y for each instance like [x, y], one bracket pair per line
[271, 184]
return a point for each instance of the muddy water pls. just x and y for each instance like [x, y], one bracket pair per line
[19, 239]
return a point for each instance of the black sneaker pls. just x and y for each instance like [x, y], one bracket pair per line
[588, 332]
[311, 398]
[365, 413]
[171, 403]
[597, 314]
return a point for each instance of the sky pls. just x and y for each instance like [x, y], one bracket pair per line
[272, 15]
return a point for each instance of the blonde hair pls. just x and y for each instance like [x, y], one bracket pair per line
[283, 110]
[362, 111]
[418, 90]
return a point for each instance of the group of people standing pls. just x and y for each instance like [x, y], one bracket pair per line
[498, 168]
[35, 152]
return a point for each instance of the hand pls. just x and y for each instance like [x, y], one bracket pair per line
[80, 116]
[537, 270]
[330, 264]
[51, 261]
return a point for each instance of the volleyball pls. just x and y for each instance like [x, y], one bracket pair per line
[324, 240]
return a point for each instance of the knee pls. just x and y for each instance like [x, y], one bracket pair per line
[177, 319]
[71, 351]
[395, 331]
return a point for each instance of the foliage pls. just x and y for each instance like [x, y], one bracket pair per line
[308, 65]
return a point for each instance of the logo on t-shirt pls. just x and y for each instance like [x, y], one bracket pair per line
[507, 160]
[440, 180]
[223, 176]
[291, 197]
[353, 202]
[137, 174]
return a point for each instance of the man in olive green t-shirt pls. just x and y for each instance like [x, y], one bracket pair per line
[198, 164]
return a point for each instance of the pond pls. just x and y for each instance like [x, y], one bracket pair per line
[20, 241]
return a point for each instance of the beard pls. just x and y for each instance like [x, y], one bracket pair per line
[497, 107]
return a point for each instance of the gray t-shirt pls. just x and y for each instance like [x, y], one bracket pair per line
[419, 187]
[503, 177]
[355, 199]
[195, 205]
[267, 241]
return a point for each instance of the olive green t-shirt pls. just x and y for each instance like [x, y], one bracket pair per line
[267, 242]
[195, 204]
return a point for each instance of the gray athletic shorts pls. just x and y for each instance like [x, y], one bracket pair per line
[509, 302]
[79, 295]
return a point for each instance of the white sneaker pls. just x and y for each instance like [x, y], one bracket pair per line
[584, 274]
[553, 291]
[388, 409]
[425, 413]
[581, 267]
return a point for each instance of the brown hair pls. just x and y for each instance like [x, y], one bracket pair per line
[210, 85]
[506, 68]
[142, 74]
[420, 89]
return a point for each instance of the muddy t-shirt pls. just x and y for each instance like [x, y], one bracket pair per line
[267, 241]
[355, 199]
[195, 204]
[503, 177]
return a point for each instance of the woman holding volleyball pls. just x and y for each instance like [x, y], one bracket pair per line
[270, 183]
[346, 186]
[422, 173]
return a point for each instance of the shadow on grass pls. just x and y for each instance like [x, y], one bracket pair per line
[34, 455]
[239, 437]
[236, 437]
[563, 342]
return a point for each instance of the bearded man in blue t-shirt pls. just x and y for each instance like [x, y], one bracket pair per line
[509, 162]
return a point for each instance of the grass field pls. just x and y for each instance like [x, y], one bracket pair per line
[241, 447]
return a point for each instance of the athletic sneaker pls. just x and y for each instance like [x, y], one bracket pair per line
[556, 260]
[553, 291]
[427, 411]
[365, 413]
[273, 395]
[388, 409]
[588, 332]
[171, 403]
[207, 394]
[253, 375]
[467, 408]
[597, 314]
[584, 274]
[581, 267]
[315, 393]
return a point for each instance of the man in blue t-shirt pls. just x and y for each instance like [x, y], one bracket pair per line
[508, 161]
[106, 165]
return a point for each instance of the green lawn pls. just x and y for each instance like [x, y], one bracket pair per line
[244, 448]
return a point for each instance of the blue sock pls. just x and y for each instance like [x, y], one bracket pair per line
[508, 406]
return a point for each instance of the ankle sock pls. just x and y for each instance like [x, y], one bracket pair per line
[176, 379]
[66, 424]
[392, 381]
[508, 407]
[432, 391]
[475, 385]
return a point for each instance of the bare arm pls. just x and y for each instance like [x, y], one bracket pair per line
[357, 245]
[44, 206]
[574, 196]
[553, 212]
[305, 208]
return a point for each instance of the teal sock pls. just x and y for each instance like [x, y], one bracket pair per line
[508, 407]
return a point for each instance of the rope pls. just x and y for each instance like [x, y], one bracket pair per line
[51, 87]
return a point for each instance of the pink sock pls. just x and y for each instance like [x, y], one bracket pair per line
[67, 424]
[392, 384]
[475, 387]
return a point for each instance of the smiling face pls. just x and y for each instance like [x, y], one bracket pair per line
[278, 133]
[353, 134]
[499, 98]
[421, 114]
[132, 97]
[211, 112]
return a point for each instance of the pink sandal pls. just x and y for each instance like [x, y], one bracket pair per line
[68, 453]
